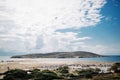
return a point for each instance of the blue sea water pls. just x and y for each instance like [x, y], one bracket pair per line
[104, 59]
[97, 59]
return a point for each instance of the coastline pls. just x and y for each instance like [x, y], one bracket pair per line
[28, 64]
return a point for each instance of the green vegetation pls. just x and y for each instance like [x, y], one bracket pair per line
[63, 69]
[116, 67]
[107, 77]
[35, 74]
[79, 54]
[88, 73]
[15, 74]
[63, 73]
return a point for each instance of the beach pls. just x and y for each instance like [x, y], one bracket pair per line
[52, 64]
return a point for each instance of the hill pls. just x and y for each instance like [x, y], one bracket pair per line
[76, 54]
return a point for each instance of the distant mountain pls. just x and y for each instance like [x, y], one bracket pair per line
[76, 54]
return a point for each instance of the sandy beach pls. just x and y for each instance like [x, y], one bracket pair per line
[28, 64]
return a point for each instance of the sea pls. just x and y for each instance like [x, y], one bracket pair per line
[96, 59]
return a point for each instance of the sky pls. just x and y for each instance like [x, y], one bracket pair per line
[42, 26]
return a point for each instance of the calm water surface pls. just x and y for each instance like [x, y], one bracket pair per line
[98, 59]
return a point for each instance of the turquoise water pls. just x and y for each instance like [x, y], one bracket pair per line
[98, 59]
[104, 59]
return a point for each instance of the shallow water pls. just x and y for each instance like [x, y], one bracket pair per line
[97, 59]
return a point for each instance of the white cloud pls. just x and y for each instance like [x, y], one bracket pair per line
[30, 25]
[102, 49]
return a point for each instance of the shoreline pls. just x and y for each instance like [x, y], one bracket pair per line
[28, 64]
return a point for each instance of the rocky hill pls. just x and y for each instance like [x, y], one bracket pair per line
[76, 54]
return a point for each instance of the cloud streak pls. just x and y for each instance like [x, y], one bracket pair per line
[31, 25]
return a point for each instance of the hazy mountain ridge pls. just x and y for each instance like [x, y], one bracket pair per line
[78, 54]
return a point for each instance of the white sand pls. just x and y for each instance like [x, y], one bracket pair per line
[37, 63]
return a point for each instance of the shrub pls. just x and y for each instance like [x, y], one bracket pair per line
[15, 74]
[87, 73]
[116, 67]
[49, 75]
[63, 69]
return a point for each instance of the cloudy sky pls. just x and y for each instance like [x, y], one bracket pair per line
[40, 26]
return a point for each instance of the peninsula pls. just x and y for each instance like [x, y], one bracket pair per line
[75, 54]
